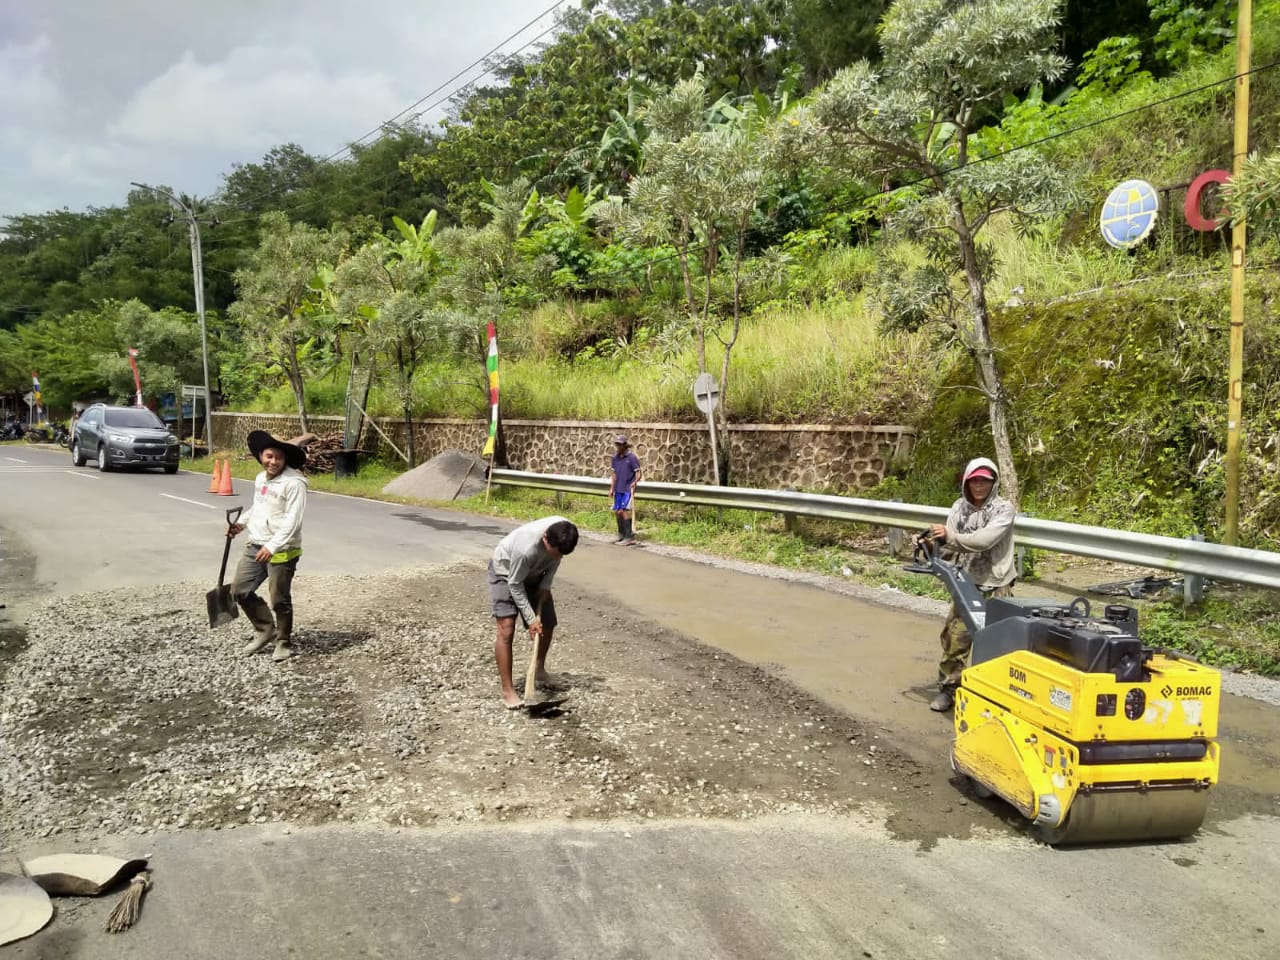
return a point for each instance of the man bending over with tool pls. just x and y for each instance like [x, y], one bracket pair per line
[274, 523]
[978, 538]
[524, 564]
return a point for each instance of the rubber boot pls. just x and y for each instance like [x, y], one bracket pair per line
[628, 533]
[264, 628]
[944, 701]
[622, 529]
[284, 638]
[261, 637]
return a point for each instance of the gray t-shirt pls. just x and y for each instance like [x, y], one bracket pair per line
[521, 557]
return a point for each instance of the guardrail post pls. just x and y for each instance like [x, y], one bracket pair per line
[1020, 558]
[1193, 583]
[897, 537]
[790, 521]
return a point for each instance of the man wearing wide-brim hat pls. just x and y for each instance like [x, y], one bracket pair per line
[274, 525]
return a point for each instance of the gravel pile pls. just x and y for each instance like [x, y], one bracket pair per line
[126, 712]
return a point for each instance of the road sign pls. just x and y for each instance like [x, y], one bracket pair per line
[706, 392]
[30, 398]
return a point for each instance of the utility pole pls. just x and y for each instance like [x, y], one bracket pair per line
[197, 273]
[1235, 364]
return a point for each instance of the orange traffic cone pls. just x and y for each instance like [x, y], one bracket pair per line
[224, 488]
[215, 477]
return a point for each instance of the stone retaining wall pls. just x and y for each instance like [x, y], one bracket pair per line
[833, 459]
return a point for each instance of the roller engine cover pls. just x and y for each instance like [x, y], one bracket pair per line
[1089, 650]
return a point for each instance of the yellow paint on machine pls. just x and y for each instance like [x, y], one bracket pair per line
[1088, 757]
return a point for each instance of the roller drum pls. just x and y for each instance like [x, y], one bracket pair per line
[1103, 816]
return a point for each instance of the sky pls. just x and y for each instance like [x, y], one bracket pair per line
[97, 93]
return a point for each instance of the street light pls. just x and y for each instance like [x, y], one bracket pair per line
[197, 272]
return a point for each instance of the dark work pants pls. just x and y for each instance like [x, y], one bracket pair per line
[279, 577]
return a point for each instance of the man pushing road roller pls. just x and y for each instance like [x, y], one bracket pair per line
[1063, 712]
[979, 535]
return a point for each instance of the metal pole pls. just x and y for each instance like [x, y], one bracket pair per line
[715, 456]
[197, 268]
[1235, 367]
[197, 276]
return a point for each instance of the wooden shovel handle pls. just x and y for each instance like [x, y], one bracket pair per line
[530, 679]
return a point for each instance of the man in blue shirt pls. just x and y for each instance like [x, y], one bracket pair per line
[622, 487]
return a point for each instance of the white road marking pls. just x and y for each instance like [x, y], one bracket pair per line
[15, 460]
[19, 471]
[207, 506]
[81, 473]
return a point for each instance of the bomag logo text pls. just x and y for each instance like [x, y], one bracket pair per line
[1193, 692]
[1018, 675]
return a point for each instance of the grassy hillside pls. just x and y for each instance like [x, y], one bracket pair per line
[1115, 362]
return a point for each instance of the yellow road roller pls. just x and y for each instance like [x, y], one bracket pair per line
[1069, 718]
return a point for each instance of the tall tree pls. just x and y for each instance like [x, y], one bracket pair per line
[65, 350]
[168, 345]
[547, 106]
[704, 173]
[826, 35]
[945, 62]
[277, 290]
[387, 286]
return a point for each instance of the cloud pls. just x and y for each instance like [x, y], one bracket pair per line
[255, 98]
[27, 88]
[95, 94]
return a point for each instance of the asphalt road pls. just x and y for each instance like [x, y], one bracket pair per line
[784, 887]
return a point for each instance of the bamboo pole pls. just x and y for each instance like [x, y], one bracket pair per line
[1235, 366]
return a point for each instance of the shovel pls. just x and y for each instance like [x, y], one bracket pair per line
[222, 605]
[533, 706]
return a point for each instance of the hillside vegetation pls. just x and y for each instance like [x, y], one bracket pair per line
[613, 282]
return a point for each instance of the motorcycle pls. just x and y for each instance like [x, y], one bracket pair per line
[12, 430]
[61, 435]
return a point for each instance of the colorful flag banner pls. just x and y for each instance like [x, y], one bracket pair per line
[491, 364]
[35, 392]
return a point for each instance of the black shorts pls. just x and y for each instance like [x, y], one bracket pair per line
[504, 606]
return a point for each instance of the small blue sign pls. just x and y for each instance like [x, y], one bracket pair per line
[1129, 214]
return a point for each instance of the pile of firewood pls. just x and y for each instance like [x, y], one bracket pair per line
[320, 451]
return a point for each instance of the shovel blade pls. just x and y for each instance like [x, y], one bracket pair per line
[222, 606]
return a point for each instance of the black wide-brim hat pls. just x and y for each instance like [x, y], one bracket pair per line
[260, 440]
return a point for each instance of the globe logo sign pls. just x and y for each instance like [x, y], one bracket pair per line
[1129, 214]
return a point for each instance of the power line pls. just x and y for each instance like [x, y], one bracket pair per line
[470, 66]
[944, 172]
[861, 201]
[381, 128]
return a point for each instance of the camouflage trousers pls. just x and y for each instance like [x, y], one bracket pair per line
[956, 641]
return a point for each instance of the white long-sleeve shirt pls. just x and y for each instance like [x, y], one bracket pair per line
[275, 518]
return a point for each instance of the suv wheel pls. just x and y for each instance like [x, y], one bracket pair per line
[103, 464]
[170, 468]
[76, 456]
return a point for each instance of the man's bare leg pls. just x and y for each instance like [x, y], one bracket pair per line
[506, 631]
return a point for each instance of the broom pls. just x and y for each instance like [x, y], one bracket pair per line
[126, 912]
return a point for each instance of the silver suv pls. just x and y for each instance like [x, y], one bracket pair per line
[123, 437]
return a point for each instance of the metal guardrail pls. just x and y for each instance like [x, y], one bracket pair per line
[1195, 557]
